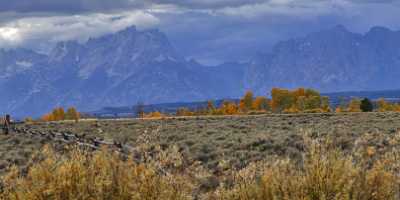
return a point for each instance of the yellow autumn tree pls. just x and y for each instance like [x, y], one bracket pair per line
[72, 114]
[383, 106]
[282, 99]
[355, 105]
[299, 100]
[58, 114]
[325, 105]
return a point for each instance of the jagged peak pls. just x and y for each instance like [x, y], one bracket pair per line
[378, 30]
[64, 48]
[338, 30]
[129, 32]
[133, 30]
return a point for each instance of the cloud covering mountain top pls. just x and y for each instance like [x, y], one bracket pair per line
[208, 30]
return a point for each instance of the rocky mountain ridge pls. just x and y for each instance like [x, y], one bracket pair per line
[132, 66]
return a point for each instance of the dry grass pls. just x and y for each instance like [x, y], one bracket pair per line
[99, 175]
[324, 173]
[238, 140]
[272, 157]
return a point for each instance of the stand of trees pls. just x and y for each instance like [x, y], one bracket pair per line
[384, 106]
[300, 100]
[58, 114]
[366, 105]
[282, 101]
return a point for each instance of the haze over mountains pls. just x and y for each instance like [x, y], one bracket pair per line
[134, 66]
[331, 60]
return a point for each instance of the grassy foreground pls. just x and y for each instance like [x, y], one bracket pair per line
[237, 140]
[323, 173]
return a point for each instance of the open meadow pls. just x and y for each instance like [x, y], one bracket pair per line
[219, 146]
[237, 140]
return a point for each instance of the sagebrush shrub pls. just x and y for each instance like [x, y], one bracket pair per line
[324, 173]
[101, 175]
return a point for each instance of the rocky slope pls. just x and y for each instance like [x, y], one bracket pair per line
[331, 60]
[119, 69]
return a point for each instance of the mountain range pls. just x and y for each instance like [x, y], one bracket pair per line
[330, 60]
[132, 66]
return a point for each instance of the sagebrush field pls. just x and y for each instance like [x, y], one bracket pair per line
[216, 149]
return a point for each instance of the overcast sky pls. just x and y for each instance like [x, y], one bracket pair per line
[211, 31]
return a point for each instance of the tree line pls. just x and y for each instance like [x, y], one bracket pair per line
[301, 100]
[59, 114]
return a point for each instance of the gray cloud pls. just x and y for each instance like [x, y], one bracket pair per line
[209, 30]
[81, 6]
[237, 33]
[68, 6]
[209, 4]
[47, 30]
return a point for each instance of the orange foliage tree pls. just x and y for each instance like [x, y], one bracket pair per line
[229, 108]
[48, 117]
[260, 104]
[58, 114]
[246, 103]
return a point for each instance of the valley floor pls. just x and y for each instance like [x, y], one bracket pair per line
[236, 140]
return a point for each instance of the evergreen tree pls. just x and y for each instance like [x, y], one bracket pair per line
[366, 105]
